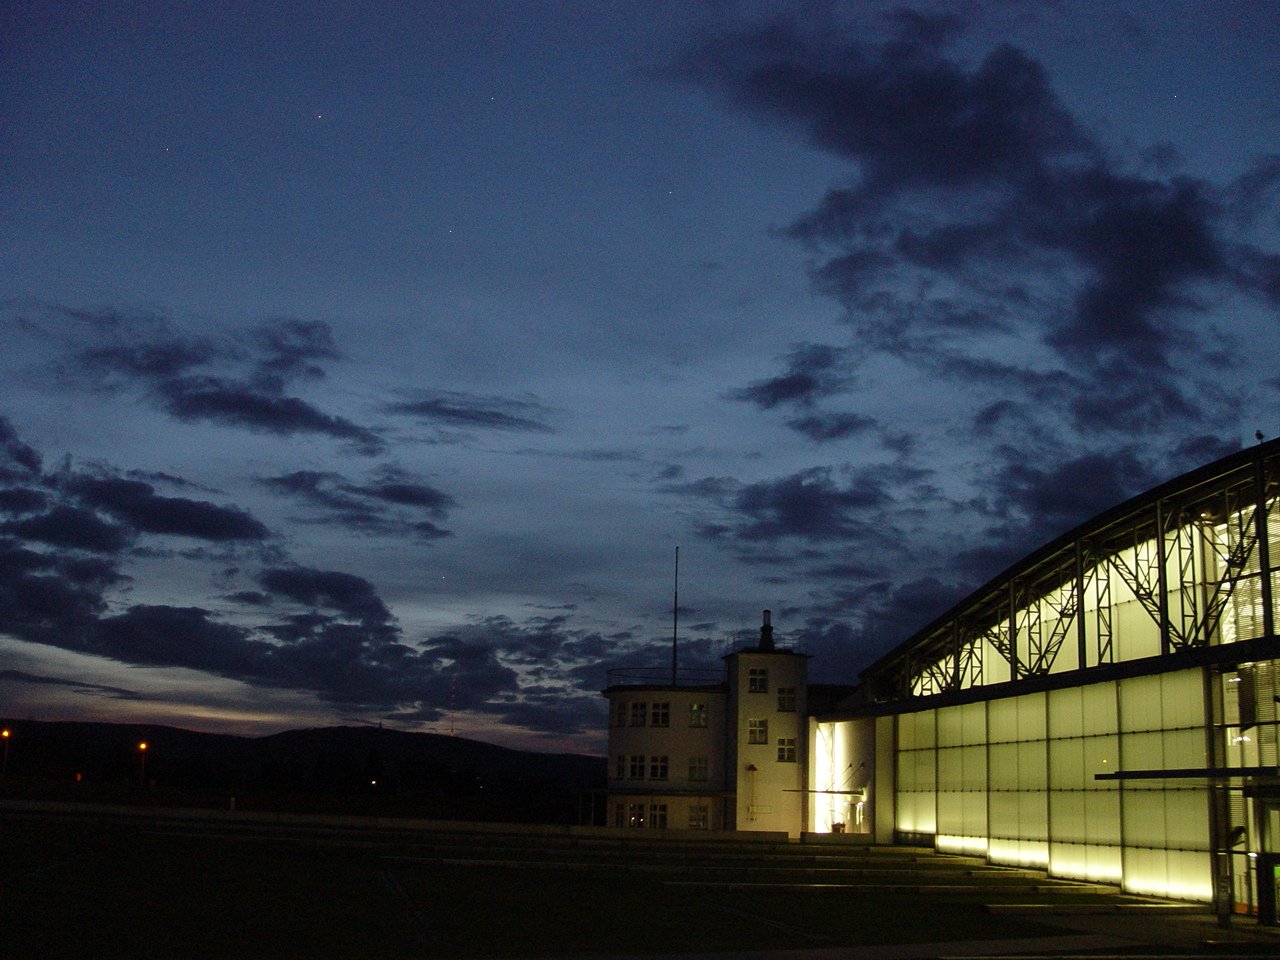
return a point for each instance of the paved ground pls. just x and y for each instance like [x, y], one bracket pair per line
[99, 883]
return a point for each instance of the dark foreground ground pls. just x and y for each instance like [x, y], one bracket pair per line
[97, 885]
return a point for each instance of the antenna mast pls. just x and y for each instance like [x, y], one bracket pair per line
[675, 617]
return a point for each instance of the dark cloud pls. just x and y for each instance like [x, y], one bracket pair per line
[72, 528]
[555, 714]
[345, 592]
[168, 636]
[469, 411]
[137, 504]
[825, 427]
[813, 372]
[18, 461]
[981, 208]
[408, 494]
[1255, 193]
[867, 620]
[288, 348]
[1194, 451]
[810, 505]
[79, 686]
[192, 378]
[50, 598]
[258, 406]
[1027, 505]
[391, 501]
[22, 500]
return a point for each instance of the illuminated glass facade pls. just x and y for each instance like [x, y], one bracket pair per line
[1105, 710]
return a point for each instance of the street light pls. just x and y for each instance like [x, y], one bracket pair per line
[142, 752]
[4, 767]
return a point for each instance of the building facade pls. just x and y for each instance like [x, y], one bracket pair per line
[1105, 709]
[729, 755]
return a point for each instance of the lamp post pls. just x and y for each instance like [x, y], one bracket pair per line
[142, 753]
[4, 765]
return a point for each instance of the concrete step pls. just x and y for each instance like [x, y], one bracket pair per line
[1142, 907]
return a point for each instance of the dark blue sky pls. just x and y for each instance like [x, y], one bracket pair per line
[366, 359]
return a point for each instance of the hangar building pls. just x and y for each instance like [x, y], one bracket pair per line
[1105, 709]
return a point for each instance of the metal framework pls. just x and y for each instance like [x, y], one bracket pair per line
[1188, 552]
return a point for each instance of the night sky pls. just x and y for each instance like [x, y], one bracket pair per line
[368, 362]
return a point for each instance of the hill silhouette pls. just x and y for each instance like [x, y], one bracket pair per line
[354, 770]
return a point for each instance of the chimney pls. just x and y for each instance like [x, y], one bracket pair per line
[766, 632]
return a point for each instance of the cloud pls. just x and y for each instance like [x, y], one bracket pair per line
[825, 427]
[351, 595]
[327, 632]
[79, 686]
[18, 461]
[814, 505]
[138, 505]
[288, 348]
[1027, 505]
[810, 505]
[71, 528]
[813, 372]
[391, 501]
[258, 406]
[21, 500]
[238, 379]
[470, 411]
[983, 218]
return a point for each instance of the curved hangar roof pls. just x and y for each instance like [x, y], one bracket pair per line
[1174, 572]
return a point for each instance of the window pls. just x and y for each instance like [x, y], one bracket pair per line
[757, 680]
[698, 769]
[635, 814]
[698, 819]
[620, 815]
[657, 768]
[637, 767]
[697, 714]
[757, 731]
[620, 713]
[658, 816]
[660, 715]
[786, 749]
[786, 699]
[637, 714]
[620, 769]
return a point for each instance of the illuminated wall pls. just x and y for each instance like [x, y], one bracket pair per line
[841, 778]
[1013, 779]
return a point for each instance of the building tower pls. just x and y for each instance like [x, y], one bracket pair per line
[767, 743]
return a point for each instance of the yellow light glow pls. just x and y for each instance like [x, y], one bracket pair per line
[142, 745]
[5, 733]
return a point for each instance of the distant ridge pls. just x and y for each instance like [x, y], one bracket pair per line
[348, 769]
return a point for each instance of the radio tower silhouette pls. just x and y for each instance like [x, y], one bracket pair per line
[453, 702]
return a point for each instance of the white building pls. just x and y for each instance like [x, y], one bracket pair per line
[729, 755]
